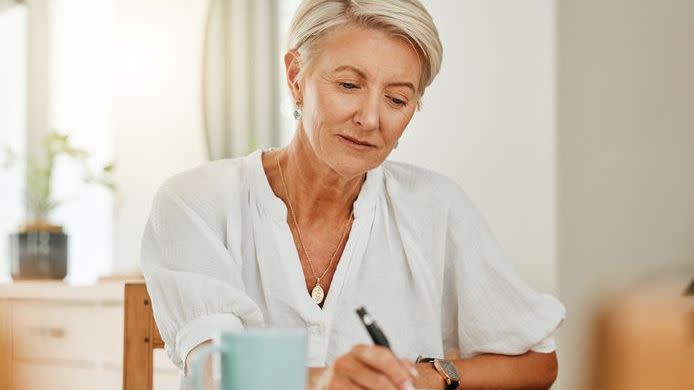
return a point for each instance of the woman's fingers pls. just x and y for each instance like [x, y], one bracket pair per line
[411, 367]
[382, 361]
[341, 375]
[344, 383]
[362, 375]
[368, 368]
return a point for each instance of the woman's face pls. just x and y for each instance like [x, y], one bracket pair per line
[358, 96]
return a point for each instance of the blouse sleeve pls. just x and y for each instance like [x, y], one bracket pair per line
[497, 312]
[194, 283]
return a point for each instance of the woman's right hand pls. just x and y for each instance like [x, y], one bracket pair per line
[368, 367]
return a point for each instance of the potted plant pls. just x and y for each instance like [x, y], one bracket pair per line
[39, 250]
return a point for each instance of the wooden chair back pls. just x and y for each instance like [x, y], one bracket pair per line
[645, 340]
[141, 337]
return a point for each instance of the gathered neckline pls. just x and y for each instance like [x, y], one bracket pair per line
[275, 207]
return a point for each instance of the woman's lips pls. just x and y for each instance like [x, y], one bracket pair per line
[355, 143]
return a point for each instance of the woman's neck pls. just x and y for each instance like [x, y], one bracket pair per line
[316, 191]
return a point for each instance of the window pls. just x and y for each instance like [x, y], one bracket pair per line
[71, 96]
[81, 78]
[13, 22]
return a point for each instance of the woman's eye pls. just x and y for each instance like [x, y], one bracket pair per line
[398, 102]
[348, 85]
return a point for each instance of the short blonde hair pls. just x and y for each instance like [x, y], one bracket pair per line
[407, 19]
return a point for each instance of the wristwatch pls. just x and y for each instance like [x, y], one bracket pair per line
[446, 369]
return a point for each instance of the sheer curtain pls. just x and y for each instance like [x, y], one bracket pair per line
[286, 9]
[241, 94]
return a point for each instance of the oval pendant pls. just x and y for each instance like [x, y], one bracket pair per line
[317, 294]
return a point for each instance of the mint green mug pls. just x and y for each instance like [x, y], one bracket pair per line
[258, 359]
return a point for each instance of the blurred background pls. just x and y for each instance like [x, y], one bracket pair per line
[569, 123]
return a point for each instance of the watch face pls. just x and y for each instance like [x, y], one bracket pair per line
[450, 369]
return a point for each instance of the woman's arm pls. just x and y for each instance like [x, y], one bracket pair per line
[532, 370]
[207, 376]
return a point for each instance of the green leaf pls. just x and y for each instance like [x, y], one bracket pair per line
[38, 195]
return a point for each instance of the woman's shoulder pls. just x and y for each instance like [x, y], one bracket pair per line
[214, 183]
[421, 183]
[207, 176]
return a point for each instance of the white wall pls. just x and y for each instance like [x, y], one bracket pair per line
[157, 119]
[600, 200]
[626, 132]
[488, 122]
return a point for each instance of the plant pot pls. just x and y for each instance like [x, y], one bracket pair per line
[38, 252]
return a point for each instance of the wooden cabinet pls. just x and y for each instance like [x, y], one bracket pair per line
[30, 376]
[5, 346]
[49, 331]
[57, 336]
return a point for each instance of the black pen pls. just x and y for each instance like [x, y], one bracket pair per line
[374, 331]
[380, 339]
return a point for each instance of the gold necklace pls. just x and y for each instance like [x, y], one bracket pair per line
[317, 293]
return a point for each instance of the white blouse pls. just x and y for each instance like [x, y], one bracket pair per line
[217, 254]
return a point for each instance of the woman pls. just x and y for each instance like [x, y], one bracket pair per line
[301, 236]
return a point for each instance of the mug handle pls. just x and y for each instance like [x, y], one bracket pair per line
[196, 367]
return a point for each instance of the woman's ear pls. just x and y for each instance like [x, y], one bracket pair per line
[292, 65]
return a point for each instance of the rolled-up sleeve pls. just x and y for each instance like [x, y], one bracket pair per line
[497, 312]
[194, 283]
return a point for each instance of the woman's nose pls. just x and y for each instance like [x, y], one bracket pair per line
[368, 115]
